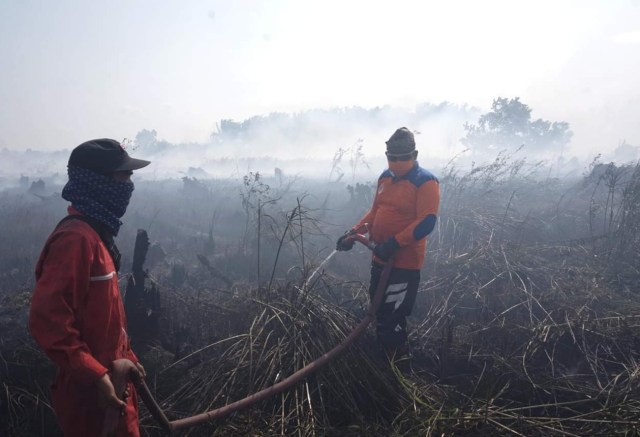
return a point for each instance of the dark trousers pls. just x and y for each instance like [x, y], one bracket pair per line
[400, 296]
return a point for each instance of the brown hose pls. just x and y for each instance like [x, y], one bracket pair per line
[218, 413]
[153, 407]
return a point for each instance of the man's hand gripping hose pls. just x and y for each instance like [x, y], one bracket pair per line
[123, 371]
[348, 239]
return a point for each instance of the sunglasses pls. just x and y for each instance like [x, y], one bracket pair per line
[394, 158]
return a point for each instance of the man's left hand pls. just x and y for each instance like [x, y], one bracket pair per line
[385, 250]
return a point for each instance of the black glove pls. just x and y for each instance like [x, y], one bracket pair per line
[345, 243]
[385, 250]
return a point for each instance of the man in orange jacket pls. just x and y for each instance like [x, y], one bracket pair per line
[403, 214]
[77, 315]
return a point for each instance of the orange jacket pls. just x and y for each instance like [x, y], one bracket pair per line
[405, 208]
[78, 319]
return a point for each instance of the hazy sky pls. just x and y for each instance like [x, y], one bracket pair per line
[74, 70]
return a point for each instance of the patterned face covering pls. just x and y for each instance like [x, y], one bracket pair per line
[100, 197]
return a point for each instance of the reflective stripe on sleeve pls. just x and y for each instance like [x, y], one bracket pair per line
[103, 277]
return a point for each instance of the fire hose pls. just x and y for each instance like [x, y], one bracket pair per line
[123, 370]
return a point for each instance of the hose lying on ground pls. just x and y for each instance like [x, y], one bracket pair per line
[123, 367]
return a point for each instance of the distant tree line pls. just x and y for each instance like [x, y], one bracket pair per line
[509, 125]
[328, 123]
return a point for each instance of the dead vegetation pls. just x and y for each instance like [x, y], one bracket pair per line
[527, 320]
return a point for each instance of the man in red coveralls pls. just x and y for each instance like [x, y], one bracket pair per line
[403, 213]
[77, 315]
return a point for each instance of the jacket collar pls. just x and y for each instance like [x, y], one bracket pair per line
[407, 175]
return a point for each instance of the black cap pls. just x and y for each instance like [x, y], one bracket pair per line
[104, 156]
[401, 143]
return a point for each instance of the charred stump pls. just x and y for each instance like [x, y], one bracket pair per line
[141, 303]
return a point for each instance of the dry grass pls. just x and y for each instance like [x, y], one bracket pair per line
[525, 324]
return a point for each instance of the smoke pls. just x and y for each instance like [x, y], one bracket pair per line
[308, 143]
[330, 144]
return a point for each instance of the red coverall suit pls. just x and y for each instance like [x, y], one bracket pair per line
[78, 318]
